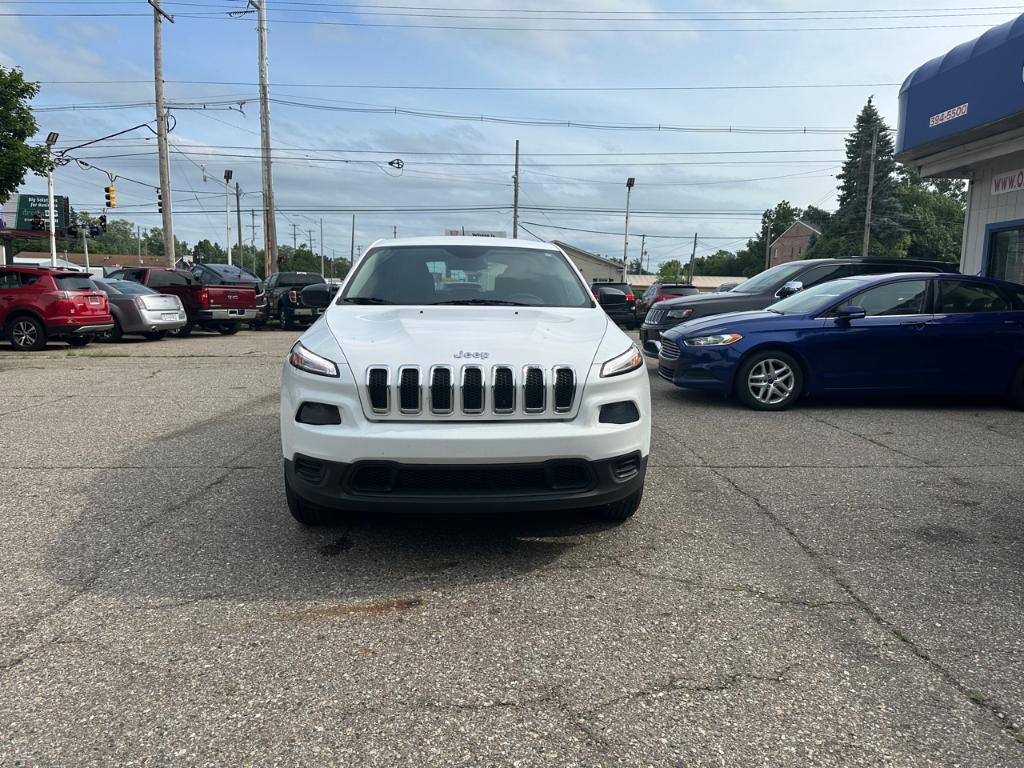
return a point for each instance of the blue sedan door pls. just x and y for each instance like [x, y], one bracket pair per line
[885, 350]
[979, 338]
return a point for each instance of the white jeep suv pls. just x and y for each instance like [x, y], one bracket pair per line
[463, 374]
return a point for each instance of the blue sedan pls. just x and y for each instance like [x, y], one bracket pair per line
[897, 333]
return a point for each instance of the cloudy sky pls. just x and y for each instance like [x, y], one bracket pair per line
[619, 67]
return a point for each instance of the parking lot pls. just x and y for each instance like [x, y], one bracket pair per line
[835, 585]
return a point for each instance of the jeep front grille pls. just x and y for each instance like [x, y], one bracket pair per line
[409, 389]
[504, 387]
[654, 316]
[565, 389]
[471, 390]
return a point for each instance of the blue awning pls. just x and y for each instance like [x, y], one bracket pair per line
[975, 90]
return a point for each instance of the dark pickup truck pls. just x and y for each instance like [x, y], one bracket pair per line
[284, 298]
[213, 307]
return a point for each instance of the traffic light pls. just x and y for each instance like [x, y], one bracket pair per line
[72, 232]
[38, 224]
[111, 194]
[103, 222]
[94, 231]
[159, 201]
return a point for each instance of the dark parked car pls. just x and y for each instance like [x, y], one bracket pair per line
[626, 315]
[768, 287]
[138, 309]
[284, 298]
[660, 292]
[901, 333]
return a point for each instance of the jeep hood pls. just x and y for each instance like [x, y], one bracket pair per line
[466, 335]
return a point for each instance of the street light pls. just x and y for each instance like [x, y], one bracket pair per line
[625, 237]
[51, 139]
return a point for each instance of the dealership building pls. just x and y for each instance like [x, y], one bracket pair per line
[962, 116]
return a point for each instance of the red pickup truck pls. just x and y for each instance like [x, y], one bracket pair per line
[214, 307]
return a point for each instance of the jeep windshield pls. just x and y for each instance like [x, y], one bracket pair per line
[473, 275]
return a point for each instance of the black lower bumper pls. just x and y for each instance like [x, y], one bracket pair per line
[548, 486]
[64, 331]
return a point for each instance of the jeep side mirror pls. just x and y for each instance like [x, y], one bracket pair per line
[793, 286]
[318, 295]
[848, 313]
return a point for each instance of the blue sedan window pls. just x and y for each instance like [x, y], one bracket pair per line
[906, 297]
[962, 297]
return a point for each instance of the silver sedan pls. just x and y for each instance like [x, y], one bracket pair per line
[138, 309]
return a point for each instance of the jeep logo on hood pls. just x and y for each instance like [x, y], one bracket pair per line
[460, 355]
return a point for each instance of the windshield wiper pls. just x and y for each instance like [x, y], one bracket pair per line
[366, 300]
[484, 302]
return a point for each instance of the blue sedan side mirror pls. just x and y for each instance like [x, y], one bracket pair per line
[846, 314]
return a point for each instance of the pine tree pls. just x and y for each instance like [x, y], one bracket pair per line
[847, 225]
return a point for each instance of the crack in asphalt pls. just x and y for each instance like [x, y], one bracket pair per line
[1000, 714]
[873, 441]
[611, 561]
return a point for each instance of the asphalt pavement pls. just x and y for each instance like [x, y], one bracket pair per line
[839, 585]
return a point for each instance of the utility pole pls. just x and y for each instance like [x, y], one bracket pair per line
[269, 215]
[295, 236]
[768, 243]
[871, 194]
[52, 224]
[352, 253]
[162, 116]
[238, 216]
[227, 212]
[625, 236]
[693, 255]
[323, 265]
[394, 232]
[311, 241]
[138, 236]
[85, 245]
[643, 242]
[515, 197]
[252, 212]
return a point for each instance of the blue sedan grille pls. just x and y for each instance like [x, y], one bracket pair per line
[669, 350]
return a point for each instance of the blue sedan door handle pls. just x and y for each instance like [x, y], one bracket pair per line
[917, 325]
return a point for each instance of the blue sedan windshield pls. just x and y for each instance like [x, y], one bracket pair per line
[813, 299]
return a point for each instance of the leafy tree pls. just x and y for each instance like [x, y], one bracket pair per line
[669, 270]
[719, 263]
[636, 267]
[17, 126]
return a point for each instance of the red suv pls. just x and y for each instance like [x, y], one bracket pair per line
[38, 304]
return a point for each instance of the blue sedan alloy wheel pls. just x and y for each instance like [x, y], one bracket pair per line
[769, 381]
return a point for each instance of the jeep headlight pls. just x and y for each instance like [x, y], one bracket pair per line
[628, 361]
[679, 314]
[310, 362]
[718, 340]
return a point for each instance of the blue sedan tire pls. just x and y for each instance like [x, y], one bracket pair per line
[769, 381]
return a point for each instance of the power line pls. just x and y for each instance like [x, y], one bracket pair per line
[490, 88]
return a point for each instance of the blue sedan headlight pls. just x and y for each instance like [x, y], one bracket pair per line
[718, 340]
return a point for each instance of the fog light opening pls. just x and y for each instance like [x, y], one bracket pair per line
[625, 412]
[318, 414]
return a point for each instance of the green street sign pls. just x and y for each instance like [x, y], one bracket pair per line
[35, 209]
